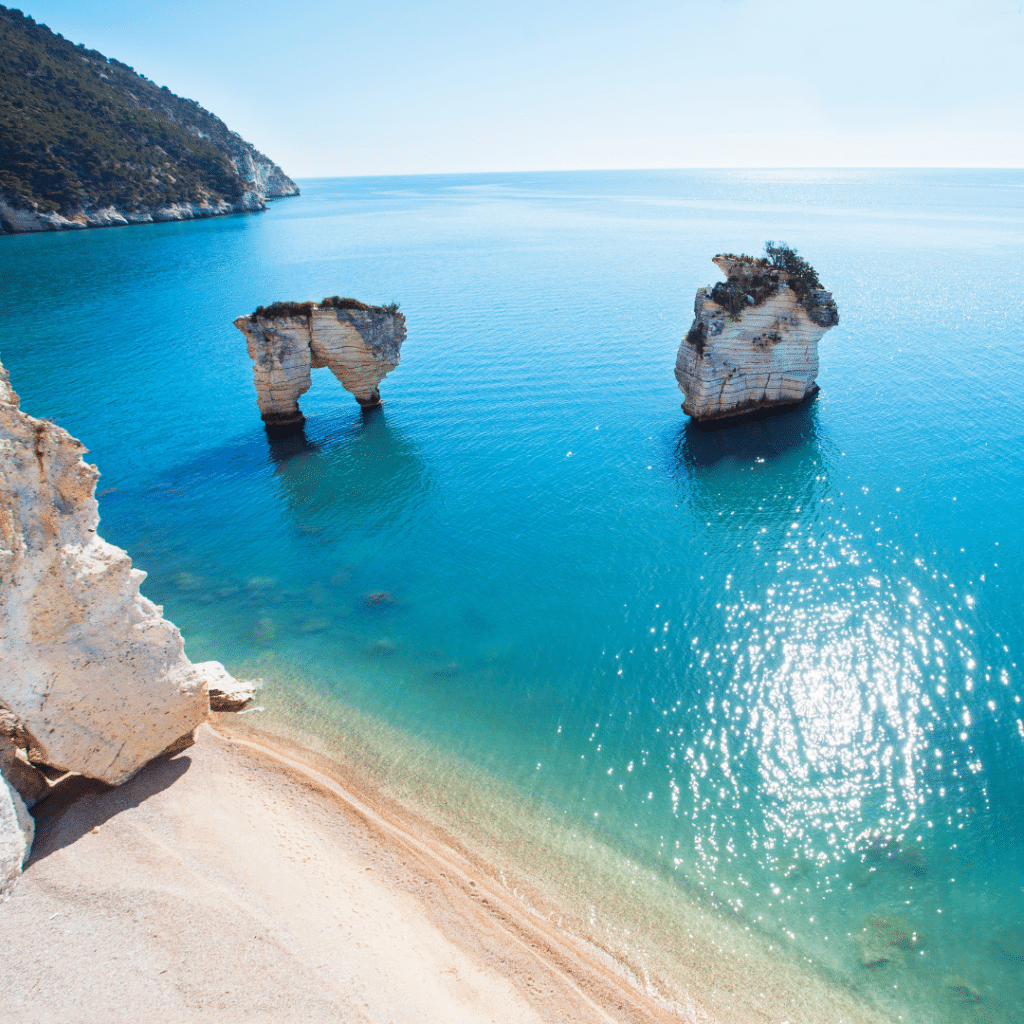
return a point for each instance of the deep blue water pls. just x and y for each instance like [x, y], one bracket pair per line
[776, 662]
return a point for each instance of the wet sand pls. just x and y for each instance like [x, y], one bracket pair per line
[247, 878]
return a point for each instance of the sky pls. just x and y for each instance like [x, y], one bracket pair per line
[419, 86]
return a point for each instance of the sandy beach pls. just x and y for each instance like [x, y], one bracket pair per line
[232, 881]
[246, 878]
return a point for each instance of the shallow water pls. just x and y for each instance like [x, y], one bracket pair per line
[775, 663]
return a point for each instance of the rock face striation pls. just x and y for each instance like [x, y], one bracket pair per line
[754, 339]
[360, 344]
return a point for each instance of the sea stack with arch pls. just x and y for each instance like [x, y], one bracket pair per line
[754, 340]
[360, 344]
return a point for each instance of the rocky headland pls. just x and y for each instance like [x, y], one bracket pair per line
[86, 142]
[360, 345]
[754, 340]
[93, 679]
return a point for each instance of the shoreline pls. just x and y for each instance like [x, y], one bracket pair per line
[306, 902]
[293, 879]
[17, 221]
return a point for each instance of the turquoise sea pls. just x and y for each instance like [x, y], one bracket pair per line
[773, 668]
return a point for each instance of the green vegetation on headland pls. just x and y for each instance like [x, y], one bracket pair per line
[756, 278]
[81, 133]
[283, 309]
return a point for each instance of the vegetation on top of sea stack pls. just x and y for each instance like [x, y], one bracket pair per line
[754, 279]
[285, 309]
[79, 132]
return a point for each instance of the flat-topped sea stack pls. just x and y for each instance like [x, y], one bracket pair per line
[754, 340]
[360, 345]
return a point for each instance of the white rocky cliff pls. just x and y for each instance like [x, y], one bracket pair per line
[360, 344]
[93, 679]
[754, 340]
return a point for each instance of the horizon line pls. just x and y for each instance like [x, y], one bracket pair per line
[606, 170]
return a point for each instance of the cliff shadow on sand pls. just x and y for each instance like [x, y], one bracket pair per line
[78, 805]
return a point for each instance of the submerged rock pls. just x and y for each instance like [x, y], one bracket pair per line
[93, 678]
[449, 671]
[264, 632]
[898, 853]
[793, 866]
[897, 931]
[963, 991]
[911, 859]
[858, 875]
[383, 648]
[889, 930]
[873, 951]
[1010, 942]
[753, 343]
[882, 936]
[360, 344]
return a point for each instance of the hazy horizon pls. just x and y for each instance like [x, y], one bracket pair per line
[424, 88]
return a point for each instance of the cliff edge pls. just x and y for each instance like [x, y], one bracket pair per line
[360, 344]
[87, 142]
[93, 678]
[754, 340]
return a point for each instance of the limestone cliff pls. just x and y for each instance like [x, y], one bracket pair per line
[360, 344]
[93, 679]
[754, 339]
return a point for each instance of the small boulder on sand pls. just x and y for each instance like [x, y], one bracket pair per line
[1010, 942]
[226, 692]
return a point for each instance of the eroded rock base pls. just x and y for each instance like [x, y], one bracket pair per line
[756, 411]
[283, 426]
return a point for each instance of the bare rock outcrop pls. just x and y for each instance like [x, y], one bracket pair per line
[226, 692]
[360, 344]
[17, 830]
[93, 679]
[754, 339]
[19, 773]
